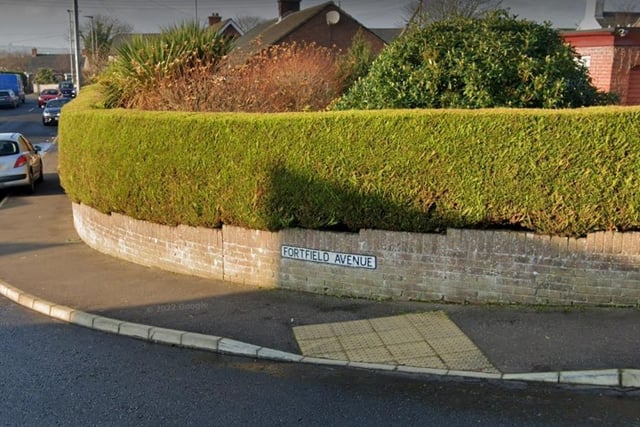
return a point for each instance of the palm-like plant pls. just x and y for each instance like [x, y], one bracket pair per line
[146, 60]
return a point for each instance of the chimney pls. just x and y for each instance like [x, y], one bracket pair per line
[214, 19]
[286, 7]
[34, 52]
[593, 8]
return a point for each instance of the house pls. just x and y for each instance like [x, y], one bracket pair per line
[227, 27]
[29, 64]
[610, 51]
[325, 25]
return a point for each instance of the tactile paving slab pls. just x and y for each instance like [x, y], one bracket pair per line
[425, 340]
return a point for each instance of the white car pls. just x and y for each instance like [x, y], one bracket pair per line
[20, 162]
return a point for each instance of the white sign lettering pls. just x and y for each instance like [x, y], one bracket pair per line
[328, 257]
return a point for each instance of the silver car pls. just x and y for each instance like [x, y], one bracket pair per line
[8, 98]
[51, 112]
[20, 162]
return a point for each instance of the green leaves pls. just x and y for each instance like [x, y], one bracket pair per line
[565, 172]
[495, 61]
[146, 60]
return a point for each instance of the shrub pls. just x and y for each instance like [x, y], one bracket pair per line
[45, 76]
[355, 63]
[288, 77]
[565, 172]
[145, 61]
[476, 63]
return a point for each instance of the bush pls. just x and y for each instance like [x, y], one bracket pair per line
[45, 76]
[563, 172]
[144, 62]
[287, 77]
[355, 63]
[476, 63]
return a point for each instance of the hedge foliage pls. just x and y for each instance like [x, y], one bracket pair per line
[565, 172]
[494, 61]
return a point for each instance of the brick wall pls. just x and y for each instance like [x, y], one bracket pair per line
[339, 35]
[460, 266]
[626, 58]
[601, 65]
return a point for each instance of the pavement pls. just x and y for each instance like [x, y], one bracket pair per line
[46, 267]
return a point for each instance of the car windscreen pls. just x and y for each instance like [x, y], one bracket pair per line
[55, 103]
[8, 148]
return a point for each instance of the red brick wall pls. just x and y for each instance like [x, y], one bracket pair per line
[612, 57]
[625, 58]
[601, 65]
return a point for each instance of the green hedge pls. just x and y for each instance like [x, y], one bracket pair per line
[564, 172]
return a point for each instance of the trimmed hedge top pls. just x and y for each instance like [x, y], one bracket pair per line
[565, 172]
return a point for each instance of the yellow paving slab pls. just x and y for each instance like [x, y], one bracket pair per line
[429, 340]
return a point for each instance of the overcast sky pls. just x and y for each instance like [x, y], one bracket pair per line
[45, 23]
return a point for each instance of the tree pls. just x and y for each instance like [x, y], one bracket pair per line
[45, 76]
[355, 63]
[143, 64]
[496, 61]
[98, 36]
[421, 12]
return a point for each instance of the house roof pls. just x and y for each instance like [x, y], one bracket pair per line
[272, 31]
[387, 34]
[222, 26]
[31, 63]
[275, 30]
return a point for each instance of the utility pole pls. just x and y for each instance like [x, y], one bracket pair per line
[196, 7]
[93, 43]
[76, 33]
[70, 45]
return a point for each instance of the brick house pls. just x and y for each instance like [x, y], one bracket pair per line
[609, 45]
[612, 56]
[326, 25]
[227, 27]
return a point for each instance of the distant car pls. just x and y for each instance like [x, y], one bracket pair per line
[51, 112]
[68, 89]
[8, 98]
[48, 95]
[20, 162]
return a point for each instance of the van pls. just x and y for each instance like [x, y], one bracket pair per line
[13, 82]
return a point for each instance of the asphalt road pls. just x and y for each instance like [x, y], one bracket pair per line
[59, 374]
[27, 119]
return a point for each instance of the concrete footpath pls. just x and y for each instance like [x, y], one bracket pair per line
[46, 267]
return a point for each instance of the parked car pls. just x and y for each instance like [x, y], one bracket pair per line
[48, 95]
[13, 82]
[20, 162]
[51, 112]
[8, 98]
[68, 89]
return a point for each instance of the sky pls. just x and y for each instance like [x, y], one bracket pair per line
[44, 24]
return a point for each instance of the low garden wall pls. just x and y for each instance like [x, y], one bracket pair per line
[462, 266]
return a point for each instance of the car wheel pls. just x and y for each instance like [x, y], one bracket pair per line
[44, 122]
